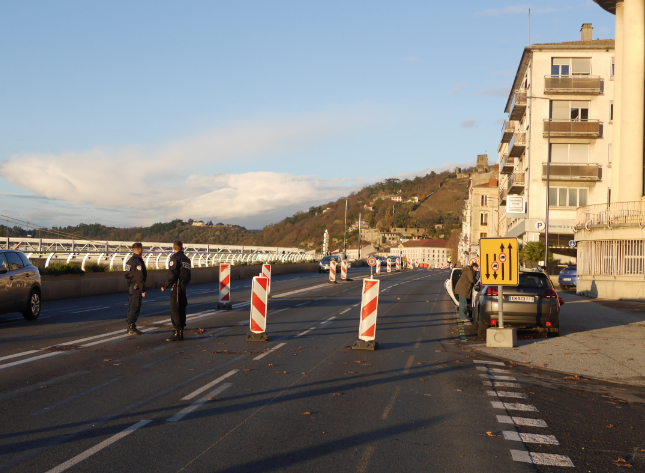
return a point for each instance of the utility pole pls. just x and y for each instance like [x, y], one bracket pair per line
[345, 235]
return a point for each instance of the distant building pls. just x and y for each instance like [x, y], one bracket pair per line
[396, 198]
[199, 223]
[367, 249]
[431, 251]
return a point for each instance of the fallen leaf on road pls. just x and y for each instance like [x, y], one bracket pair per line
[457, 361]
[44, 387]
[458, 390]
[117, 364]
[306, 413]
[199, 331]
[437, 351]
[270, 364]
[338, 394]
[419, 363]
[610, 426]
[212, 399]
[107, 359]
[246, 369]
[490, 434]
[350, 372]
[402, 351]
[358, 361]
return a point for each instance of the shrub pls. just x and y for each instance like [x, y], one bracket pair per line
[58, 269]
[96, 268]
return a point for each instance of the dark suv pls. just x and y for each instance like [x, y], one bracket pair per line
[19, 285]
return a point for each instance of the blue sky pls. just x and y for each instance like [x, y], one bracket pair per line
[129, 113]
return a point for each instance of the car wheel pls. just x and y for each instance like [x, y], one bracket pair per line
[33, 305]
[556, 333]
[481, 329]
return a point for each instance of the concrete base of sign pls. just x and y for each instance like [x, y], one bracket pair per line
[257, 337]
[224, 306]
[365, 345]
[501, 337]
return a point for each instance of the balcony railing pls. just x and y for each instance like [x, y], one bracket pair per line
[516, 183]
[573, 128]
[573, 172]
[572, 85]
[503, 193]
[508, 164]
[519, 105]
[507, 131]
[517, 145]
[612, 214]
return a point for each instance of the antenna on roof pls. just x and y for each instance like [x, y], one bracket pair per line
[529, 26]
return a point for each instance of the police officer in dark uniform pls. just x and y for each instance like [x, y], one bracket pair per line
[179, 268]
[136, 275]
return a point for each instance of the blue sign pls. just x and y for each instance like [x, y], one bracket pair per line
[572, 243]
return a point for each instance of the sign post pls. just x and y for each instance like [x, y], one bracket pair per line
[501, 257]
[371, 261]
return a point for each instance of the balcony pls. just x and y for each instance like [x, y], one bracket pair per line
[519, 105]
[517, 144]
[502, 196]
[573, 128]
[573, 172]
[507, 131]
[516, 183]
[591, 85]
[508, 164]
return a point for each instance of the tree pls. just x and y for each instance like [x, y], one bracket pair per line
[532, 252]
[138, 237]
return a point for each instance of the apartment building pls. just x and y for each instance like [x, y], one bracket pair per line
[429, 250]
[484, 213]
[561, 100]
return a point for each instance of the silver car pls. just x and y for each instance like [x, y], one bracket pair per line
[534, 304]
[451, 283]
[20, 289]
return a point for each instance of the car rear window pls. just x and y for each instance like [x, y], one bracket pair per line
[571, 268]
[536, 280]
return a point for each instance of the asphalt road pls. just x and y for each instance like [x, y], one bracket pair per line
[78, 395]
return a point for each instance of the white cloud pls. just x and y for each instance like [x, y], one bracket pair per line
[468, 123]
[167, 182]
[496, 91]
[455, 90]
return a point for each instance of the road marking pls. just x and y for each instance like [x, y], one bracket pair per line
[497, 377]
[71, 398]
[38, 386]
[492, 370]
[97, 448]
[390, 404]
[35, 358]
[304, 303]
[243, 322]
[187, 410]
[209, 385]
[304, 333]
[158, 360]
[259, 357]
[89, 309]
[507, 394]
[406, 368]
[328, 320]
[498, 363]
[530, 438]
[541, 458]
[365, 459]
[16, 355]
[356, 304]
[501, 384]
[521, 421]
[345, 311]
[513, 406]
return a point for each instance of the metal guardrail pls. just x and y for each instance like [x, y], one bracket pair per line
[518, 106]
[508, 164]
[517, 144]
[615, 213]
[560, 128]
[573, 84]
[507, 131]
[516, 183]
[573, 172]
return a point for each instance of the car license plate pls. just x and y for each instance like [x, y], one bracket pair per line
[566, 279]
[521, 299]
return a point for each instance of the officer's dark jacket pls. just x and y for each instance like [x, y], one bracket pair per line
[178, 270]
[136, 272]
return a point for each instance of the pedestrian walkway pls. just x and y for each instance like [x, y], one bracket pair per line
[596, 340]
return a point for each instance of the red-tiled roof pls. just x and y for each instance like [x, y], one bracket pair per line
[426, 243]
[595, 42]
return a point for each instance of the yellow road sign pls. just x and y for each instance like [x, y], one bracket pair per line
[500, 261]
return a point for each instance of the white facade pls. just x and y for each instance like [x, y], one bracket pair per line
[430, 251]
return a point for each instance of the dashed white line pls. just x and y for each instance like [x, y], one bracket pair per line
[304, 303]
[507, 394]
[492, 370]
[97, 448]
[521, 421]
[328, 320]
[187, 410]
[501, 384]
[209, 385]
[541, 458]
[530, 438]
[497, 377]
[345, 311]
[305, 332]
[498, 363]
[510, 406]
[259, 357]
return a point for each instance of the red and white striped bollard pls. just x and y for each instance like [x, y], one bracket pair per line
[367, 326]
[259, 309]
[332, 272]
[224, 287]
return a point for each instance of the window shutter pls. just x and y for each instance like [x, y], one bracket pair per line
[581, 65]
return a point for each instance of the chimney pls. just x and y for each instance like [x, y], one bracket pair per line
[586, 32]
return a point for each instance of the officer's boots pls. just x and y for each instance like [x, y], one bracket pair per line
[177, 335]
[133, 330]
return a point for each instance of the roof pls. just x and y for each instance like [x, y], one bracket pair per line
[426, 243]
[594, 42]
[608, 5]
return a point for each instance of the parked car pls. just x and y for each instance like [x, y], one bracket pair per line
[568, 277]
[451, 283]
[323, 265]
[533, 304]
[20, 289]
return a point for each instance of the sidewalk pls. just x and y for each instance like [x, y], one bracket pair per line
[598, 339]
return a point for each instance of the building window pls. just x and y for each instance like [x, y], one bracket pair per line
[570, 110]
[569, 153]
[483, 218]
[611, 111]
[566, 66]
[568, 196]
[483, 235]
[612, 70]
[484, 200]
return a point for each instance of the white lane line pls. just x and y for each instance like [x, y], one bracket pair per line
[304, 303]
[356, 304]
[184, 412]
[35, 358]
[209, 385]
[345, 311]
[521, 421]
[507, 394]
[16, 355]
[89, 310]
[497, 377]
[259, 357]
[541, 458]
[498, 363]
[305, 332]
[510, 406]
[243, 322]
[71, 398]
[530, 438]
[97, 448]
[38, 386]
[328, 320]
[492, 370]
[501, 384]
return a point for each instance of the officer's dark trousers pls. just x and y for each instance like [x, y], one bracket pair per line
[134, 305]
[178, 303]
